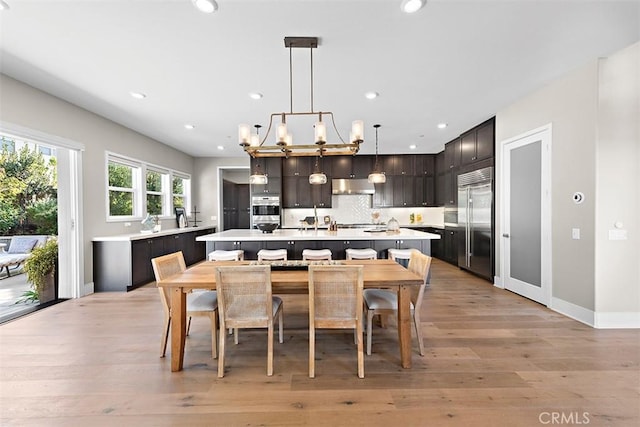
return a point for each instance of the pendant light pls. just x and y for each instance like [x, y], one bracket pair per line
[257, 177]
[377, 176]
[317, 177]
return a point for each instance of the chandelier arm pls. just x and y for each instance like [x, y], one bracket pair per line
[335, 127]
[266, 134]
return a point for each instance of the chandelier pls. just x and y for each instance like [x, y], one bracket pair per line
[284, 146]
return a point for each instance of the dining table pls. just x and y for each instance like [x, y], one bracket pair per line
[379, 273]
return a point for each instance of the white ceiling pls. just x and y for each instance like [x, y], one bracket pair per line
[454, 61]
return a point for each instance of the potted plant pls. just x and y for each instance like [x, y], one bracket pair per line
[40, 270]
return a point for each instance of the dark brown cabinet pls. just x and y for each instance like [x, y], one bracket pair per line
[345, 167]
[272, 167]
[122, 265]
[297, 192]
[297, 166]
[452, 154]
[450, 246]
[404, 188]
[383, 196]
[446, 190]
[478, 143]
[425, 165]
[425, 191]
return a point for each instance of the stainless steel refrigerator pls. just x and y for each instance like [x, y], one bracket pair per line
[475, 206]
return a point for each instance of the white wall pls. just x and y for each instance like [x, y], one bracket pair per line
[31, 108]
[207, 190]
[618, 188]
[595, 114]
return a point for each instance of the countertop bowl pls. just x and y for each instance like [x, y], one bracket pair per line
[267, 227]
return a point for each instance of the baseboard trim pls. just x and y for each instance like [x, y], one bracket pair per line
[617, 320]
[87, 289]
[573, 311]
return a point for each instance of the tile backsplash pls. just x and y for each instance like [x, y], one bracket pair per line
[356, 209]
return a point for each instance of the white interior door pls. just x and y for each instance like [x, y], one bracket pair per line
[526, 237]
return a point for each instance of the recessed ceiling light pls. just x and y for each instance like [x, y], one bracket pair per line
[138, 95]
[413, 146]
[206, 6]
[411, 6]
[442, 125]
[371, 95]
[220, 147]
[3, 5]
[189, 126]
[255, 95]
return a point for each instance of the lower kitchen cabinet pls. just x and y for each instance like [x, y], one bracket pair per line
[450, 240]
[122, 265]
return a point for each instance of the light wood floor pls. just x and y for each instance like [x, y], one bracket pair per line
[492, 358]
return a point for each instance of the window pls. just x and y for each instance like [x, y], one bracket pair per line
[156, 192]
[123, 196]
[7, 144]
[136, 189]
[180, 189]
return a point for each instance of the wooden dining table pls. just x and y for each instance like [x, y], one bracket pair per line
[381, 273]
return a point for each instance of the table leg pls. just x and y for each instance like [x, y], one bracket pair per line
[178, 327]
[404, 325]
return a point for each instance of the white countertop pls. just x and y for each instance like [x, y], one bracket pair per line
[139, 236]
[291, 234]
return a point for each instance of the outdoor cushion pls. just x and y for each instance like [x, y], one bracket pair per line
[21, 245]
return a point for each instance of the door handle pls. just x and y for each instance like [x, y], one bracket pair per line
[505, 235]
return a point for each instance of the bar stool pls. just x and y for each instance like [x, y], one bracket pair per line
[367, 253]
[272, 254]
[316, 254]
[401, 256]
[220, 255]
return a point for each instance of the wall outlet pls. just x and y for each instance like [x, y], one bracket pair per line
[127, 224]
[214, 218]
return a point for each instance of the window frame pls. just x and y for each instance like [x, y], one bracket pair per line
[139, 190]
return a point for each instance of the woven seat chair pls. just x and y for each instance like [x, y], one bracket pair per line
[335, 302]
[316, 254]
[384, 302]
[245, 301]
[199, 303]
[367, 253]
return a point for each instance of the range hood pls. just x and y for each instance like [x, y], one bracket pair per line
[351, 186]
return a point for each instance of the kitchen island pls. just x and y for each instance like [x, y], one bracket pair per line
[295, 241]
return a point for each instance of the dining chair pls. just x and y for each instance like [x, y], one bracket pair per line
[384, 302]
[199, 303]
[335, 302]
[245, 301]
[401, 256]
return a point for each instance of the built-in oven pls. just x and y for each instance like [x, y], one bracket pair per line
[265, 210]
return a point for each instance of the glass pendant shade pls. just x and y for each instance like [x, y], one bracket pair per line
[258, 178]
[377, 178]
[244, 134]
[317, 178]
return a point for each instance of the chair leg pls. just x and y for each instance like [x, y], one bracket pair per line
[221, 351]
[188, 326]
[369, 322]
[416, 321]
[280, 327]
[235, 336]
[360, 351]
[165, 336]
[312, 352]
[214, 344]
[270, 349]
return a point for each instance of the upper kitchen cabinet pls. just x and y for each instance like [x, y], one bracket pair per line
[452, 154]
[402, 165]
[345, 167]
[297, 166]
[440, 164]
[478, 143]
[272, 167]
[425, 165]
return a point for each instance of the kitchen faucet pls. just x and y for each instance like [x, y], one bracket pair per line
[315, 216]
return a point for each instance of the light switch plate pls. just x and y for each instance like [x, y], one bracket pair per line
[617, 234]
[575, 233]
